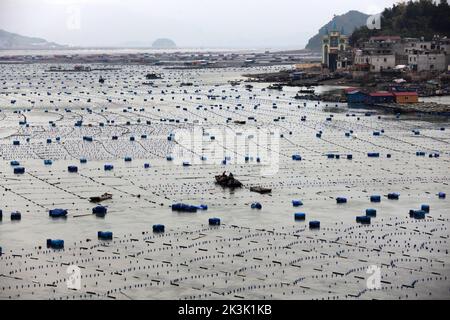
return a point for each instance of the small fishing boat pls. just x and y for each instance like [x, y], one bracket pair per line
[260, 190]
[103, 197]
[228, 181]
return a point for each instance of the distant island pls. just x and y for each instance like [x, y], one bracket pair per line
[347, 23]
[164, 43]
[10, 40]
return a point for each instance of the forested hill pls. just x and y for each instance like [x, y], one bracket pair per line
[422, 18]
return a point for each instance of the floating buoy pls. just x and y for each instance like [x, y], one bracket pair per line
[426, 208]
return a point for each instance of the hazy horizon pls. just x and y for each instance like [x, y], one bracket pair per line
[193, 23]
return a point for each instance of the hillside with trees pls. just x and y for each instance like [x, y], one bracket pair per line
[422, 18]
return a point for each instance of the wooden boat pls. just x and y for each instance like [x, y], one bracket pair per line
[228, 181]
[260, 190]
[103, 197]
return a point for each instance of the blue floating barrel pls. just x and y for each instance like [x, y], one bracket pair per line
[115, 138]
[48, 162]
[1, 251]
[371, 213]
[108, 167]
[16, 216]
[389, 156]
[341, 200]
[83, 160]
[256, 205]
[146, 165]
[181, 207]
[158, 228]
[16, 143]
[88, 139]
[144, 136]
[300, 216]
[127, 159]
[55, 244]
[105, 235]
[19, 170]
[347, 134]
[330, 156]
[363, 219]
[187, 164]
[214, 222]
[169, 158]
[314, 224]
[132, 138]
[426, 208]
[417, 214]
[375, 198]
[297, 203]
[318, 135]
[49, 140]
[393, 196]
[14, 163]
[72, 169]
[442, 195]
[349, 157]
[376, 133]
[58, 213]
[203, 207]
[373, 155]
[1, 215]
[296, 157]
[100, 211]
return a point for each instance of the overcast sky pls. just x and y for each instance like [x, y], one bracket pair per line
[190, 23]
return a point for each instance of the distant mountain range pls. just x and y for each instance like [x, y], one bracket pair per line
[347, 22]
[10, 40]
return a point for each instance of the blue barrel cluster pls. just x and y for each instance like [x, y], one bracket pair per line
[19, 170]
[297, 203]
[256, 205]
[72, 169]
[158, 228]
[105, 235]
[417, 214]
[314, 224]
[48, 162]
[181, 207]
[394, 196]
[373, 155]
[371, 213]
[297, 157]
[55, 244]
[83, 160]
[300, 216]
[375, 198]
[127, 159]
[214, 222]
[341, 200]
[108, 167]
[426, 208]
[58, 213]
[100, 211]
[363, 219]
[16, 216]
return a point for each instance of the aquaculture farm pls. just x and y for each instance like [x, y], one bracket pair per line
[351, 190]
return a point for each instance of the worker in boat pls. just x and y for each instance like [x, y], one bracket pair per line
[224, 174]
[231, 176]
